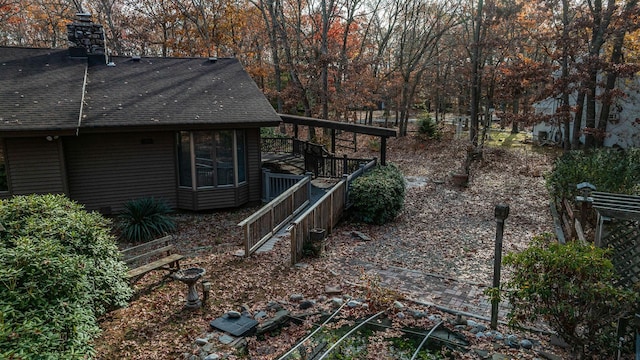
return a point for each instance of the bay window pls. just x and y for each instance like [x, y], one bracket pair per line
[211, 158]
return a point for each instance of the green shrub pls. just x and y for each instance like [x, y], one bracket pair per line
[59, 271]
[428, 127]
[609, 170]
[145, 219]
[571, 288]
[378, 196]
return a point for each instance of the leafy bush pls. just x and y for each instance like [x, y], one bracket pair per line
[570, 287]
[145, 219]
[378, 196]
[428, 127]
[609, 170]
[59, 271]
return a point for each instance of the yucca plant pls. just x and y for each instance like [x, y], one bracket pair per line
[145, 219]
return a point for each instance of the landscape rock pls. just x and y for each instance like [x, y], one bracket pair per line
[512, 341]
[496, 335]
[260, 315]
[353, 303]
[460, 320]
[296, 297]
[233, 314]
[336, 302]
[201, 341]
[207, 348]
[274, 306]
[526, 344]
[500, 357]
[212, 357]
[398, 305]
[483, 354]
[360, 236]
[306, 304]
[226, 339]
[333, 289]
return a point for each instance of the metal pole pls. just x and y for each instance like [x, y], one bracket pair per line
[501, 213]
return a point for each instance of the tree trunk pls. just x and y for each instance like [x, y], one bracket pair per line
[565, 114]
[577, 121]
[475, 77]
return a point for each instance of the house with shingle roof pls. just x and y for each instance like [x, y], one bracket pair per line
[105, 130]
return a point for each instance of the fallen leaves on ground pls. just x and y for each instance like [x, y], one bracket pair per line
[443, 230]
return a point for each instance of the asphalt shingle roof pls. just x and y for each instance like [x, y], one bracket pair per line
[41, 89]
[169, 91]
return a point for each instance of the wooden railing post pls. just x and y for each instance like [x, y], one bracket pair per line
[346, 180]
[247, 236]
[345, 167]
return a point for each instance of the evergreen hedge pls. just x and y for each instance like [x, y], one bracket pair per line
[60, 270]
[378, 196]
[609, 170]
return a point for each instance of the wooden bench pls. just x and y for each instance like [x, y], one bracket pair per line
[157, 254]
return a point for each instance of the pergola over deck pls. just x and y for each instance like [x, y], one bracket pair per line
[383, 133]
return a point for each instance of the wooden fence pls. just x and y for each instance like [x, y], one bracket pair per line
[263, 224]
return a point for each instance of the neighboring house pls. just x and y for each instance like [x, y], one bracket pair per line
[623, 127]
[105, 131]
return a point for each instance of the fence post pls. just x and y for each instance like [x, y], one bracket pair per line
[247, 236]
[345, 178]
[345, 168]
[501, 213]
[310, 175]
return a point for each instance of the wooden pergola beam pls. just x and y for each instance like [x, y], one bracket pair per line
[383, 133]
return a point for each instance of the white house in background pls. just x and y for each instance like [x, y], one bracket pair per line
[623, 129]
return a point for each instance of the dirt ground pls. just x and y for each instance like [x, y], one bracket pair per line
[443, 229]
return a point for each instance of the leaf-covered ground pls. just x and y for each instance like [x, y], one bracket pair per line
[443, 230]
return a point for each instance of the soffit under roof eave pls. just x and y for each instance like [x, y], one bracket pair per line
[37, 132]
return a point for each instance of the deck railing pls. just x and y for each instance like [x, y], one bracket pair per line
[277, 145]
[332, 166]
[263, 224]
[324, 214]
[274, 184]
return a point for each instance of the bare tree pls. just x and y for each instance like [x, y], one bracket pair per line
[422, 27]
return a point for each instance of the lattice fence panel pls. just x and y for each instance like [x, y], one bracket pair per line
[623, 237]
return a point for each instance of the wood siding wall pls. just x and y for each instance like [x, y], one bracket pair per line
[107, 170]
[104, 171]
[36, 166]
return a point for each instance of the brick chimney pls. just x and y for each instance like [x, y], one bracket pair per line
[86, 39]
